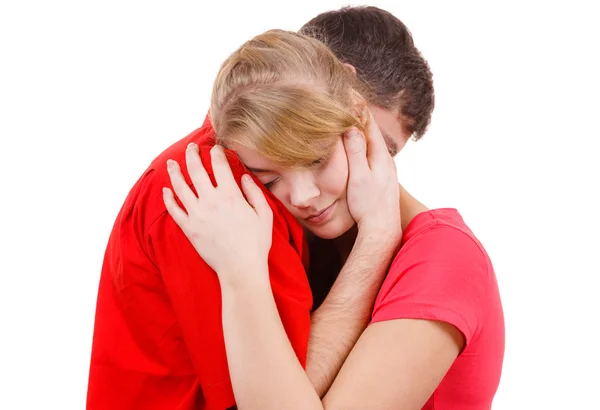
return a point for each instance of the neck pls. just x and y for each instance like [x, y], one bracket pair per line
[409, 207]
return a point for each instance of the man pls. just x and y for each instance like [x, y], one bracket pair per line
[158, 339]
[380, 49]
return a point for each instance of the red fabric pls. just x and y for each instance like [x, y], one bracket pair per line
[158, 339]
[443, 273]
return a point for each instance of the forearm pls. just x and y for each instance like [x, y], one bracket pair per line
[264, 369]
[338, 323]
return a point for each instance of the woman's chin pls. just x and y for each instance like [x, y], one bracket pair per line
[334, 229]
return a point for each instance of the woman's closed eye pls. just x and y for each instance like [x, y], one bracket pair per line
[320, 161]
[269, 184]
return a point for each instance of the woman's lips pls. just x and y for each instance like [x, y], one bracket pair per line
[322, 216]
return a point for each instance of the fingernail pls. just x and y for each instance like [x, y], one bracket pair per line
[247, 178]
[191, 145]
[351, 133]
[165, 191]
[170, 164]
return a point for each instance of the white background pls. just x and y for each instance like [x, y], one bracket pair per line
[91, 92]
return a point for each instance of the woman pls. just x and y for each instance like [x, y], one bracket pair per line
[295, 116]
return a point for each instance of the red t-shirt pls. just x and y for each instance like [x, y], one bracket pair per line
[158, 338]
[443, 273]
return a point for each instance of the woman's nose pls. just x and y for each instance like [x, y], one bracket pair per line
[303, 192]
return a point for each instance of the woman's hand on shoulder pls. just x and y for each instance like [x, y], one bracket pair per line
[232, 233]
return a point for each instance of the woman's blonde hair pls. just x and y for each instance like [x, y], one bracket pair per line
[287, 96]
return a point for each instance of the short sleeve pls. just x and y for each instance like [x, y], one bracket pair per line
[440, 274]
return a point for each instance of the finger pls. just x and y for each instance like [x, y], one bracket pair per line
[180, 186]
[255, 197]
[222, 170]
[196, 170]
[376, 145]
[178, 214]
[356, 151]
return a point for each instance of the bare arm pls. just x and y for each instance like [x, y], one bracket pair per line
[396, 364]
[338, 323]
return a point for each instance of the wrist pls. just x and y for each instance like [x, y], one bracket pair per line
[379, 236]
[247, 278]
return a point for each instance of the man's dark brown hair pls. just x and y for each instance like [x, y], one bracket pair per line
[382, 50]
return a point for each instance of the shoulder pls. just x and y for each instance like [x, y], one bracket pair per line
[440, 262]
[441, 273]
[145, 198]
[440, 239]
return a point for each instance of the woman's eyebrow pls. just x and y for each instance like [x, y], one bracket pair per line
[255, 170]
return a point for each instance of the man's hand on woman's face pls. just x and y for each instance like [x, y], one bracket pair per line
[373, 189]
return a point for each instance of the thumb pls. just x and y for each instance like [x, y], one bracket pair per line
[356, 151]
[256, 198]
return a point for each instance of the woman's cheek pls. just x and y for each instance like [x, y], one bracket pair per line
[337, 175]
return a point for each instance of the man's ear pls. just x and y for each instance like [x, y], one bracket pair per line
[360, 108]
[350, 68]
